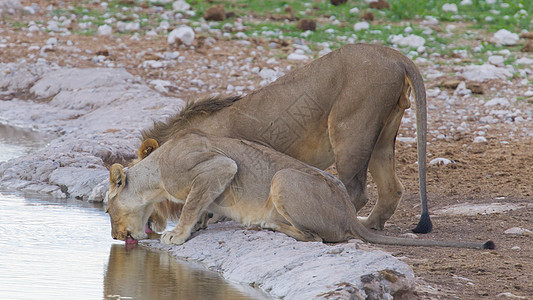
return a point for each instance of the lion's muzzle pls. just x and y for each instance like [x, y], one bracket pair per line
[120, 235]
[124, 236]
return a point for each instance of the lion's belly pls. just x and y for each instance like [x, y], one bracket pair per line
[248, 216]
[314, 149]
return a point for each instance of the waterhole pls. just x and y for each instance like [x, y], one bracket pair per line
[15, 142]
[62, 249]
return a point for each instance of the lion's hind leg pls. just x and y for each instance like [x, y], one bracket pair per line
[383, 170]
[314, 205]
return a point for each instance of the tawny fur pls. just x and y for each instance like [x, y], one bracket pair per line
[344, 108]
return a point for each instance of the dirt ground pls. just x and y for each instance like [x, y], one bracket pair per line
[462, 273]
[498, 171]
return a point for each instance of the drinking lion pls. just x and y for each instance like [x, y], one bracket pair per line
[247, 182]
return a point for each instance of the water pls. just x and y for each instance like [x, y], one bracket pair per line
[62, 249]
[16, 142]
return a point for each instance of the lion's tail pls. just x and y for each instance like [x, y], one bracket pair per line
[416, 82]
[358, 229]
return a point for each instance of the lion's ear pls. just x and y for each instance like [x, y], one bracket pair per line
[117, 175]
[147, 147]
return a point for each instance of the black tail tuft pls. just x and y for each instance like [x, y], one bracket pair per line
[424, 225]
[489, 245]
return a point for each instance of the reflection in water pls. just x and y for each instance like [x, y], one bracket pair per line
[145, 274]
[62, 249]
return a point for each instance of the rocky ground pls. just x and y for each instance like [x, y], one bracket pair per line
[480, 117]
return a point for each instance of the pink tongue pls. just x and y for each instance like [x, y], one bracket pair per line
[130, 241]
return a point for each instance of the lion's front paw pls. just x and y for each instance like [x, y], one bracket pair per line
[172, 238]
[371, 224]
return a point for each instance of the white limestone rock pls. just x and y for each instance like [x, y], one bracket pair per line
[497, 101]
[354, 10]
[361, 26]
[10, 7]
[16, 79]
[449, 7]
[505, 37]
[128, 26]
[518, 231]
[290, 269]
[412, 41]
[161, 85]
[180, 5]
[524, 61]
[485, 72]
[440, 162]
[496, 60]
[96, 115]
[78, 181]
[480, 140]
[461, 90]
[104, 30]
[183, 34]
[297, 56]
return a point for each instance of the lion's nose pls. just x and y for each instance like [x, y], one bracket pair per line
[120, 235]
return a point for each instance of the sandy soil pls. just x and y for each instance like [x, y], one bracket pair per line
[466, 274]
[497, 171]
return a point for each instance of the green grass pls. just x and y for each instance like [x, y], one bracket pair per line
[18, 24]
[475, 13]
[387, 22]
[479, 17]
[509, 17]
[510, 59]
[401, 10]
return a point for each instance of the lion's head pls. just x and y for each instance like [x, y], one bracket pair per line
[128, 214]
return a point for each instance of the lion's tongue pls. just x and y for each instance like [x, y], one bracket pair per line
[130, 241]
